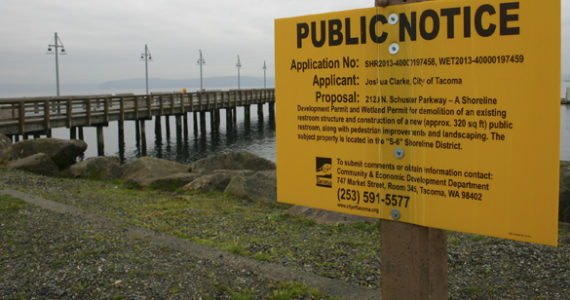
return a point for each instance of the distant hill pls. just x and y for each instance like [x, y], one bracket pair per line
[223, 82]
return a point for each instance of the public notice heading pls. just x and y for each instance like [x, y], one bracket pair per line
[441, 113]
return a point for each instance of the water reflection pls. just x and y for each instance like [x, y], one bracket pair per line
[252, 135]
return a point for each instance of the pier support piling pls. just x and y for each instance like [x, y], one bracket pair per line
[158, 129]
[228, 119]
[260, 111]
[271, 107]
[143, 136]
[202, 122]
[195, 121]
[185, 125]
[137, 134]
[167, 124]
[246, 112]
[121, 134]
[80, 132]
[178, 127]
[72, 133]
[212, 120]
[100, 141]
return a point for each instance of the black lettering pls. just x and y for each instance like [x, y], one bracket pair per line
[363, 29]
[321, 42]
[450, 13]
[335, 32]
[505, 18]
[429, 13]
[349, 39]
[373, 35]
[406, 26]
[302, 32]
[467, 21]
[484, 32]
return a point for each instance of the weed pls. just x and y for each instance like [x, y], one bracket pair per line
[477, 238]
[472, 289]
[264, 256]
[8, 203]
[289, 290]
[236, 248]
[453, 241]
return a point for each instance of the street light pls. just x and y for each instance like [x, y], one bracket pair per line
[201, 62]
[146, 56]
[53, 48]
[238, 65]
[264, 69]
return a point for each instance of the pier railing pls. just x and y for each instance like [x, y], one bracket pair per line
[40, 114]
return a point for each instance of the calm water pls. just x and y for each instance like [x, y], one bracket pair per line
[256, 136]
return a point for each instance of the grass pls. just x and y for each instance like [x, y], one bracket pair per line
[11, 204]
[263, 232]
[291, 290]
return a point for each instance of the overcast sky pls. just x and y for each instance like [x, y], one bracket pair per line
[105, 38]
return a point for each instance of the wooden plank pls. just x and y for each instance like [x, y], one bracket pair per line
[46, 116]
[69, 112]
[122, 109]
[149, 106]
[22, 116]
[199, 94]
[106, 109]
[88, 109]
[136, 108]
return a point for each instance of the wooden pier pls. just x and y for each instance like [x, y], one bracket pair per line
[24, 117]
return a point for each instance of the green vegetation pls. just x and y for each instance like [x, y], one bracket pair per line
[263, 232]
[292, 290]
[8, 204]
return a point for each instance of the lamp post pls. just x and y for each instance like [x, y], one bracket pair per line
[53, 48]
[201, 62]
[238, 65]
[264, 81]
[146, 56]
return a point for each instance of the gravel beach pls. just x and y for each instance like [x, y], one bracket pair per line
[51, 255]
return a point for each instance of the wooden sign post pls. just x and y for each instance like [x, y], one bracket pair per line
[414, 258]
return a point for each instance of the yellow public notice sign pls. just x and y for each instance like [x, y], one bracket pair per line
[441, 113]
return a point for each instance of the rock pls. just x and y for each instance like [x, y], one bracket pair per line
[258, 186]
[216, 181]
[39, 163]
[145, 170]
[564, 197]
[240, 160]
[173, 182]
[5, 142]
[327, 217]
[102, 168]
[63, 153]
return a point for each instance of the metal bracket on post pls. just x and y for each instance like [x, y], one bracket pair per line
[414, 258]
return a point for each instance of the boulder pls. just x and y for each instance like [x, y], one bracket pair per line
[173, 182]
[63, 153]
[102, 168]
[39, 163]
[564, 197]
[260, 186]
[216, 181]
[239, 160]
[5, 142]
[145, 170]
[326, 217]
